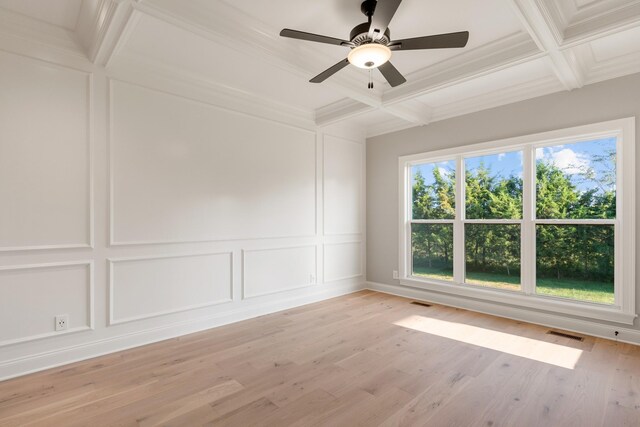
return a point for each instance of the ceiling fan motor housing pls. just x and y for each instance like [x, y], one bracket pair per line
[360, 35]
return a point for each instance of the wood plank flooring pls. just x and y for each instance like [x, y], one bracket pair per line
[364, 359]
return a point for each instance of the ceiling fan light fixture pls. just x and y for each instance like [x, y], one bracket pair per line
[370, 55]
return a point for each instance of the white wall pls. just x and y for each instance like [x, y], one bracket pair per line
[144, 212]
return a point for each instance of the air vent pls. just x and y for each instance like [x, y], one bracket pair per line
[424, 304]
[561, 334]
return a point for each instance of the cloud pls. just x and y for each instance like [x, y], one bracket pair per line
[501, 156]
[445, 172]
[567, 160]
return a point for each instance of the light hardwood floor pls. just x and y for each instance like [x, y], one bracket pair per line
[363, 359]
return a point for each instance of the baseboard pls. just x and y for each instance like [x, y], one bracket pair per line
[63, 356]
[582, 326]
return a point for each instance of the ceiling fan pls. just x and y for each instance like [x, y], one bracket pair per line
[371, 44]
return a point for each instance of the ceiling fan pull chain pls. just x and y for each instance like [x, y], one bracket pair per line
[370, 85]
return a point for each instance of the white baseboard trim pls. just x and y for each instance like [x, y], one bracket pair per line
[582, 326]
[63, 356]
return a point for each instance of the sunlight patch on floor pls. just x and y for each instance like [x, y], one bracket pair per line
[541, 351]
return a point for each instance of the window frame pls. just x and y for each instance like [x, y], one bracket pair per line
[623, 309]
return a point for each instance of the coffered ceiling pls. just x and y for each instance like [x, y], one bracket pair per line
[518, 49]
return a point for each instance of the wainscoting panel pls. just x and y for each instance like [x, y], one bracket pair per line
[31, 296]
[343, 162]
[185, 171]
[342, 261]
[268, 271]
[146, 287]
[45, 167]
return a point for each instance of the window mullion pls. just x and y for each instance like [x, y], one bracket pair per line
[528, 236]
[458, 225]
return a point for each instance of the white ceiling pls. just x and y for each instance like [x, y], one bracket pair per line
[517, 49]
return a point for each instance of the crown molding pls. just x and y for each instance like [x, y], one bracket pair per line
[394, 124]
[20, 28]
[412, 111]
[158, 75]
[618, 67]
[604, 22]
[521, 92]
[532, 89]
[597, 71]
[340, 111]
[93, 24]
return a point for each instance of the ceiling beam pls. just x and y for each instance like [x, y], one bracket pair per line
[475, 63]
[535, 18]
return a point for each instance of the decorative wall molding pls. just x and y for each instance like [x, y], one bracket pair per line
[361, 184]
[359, 274]
[245, 295]
[90, 162]
[111, 285]
[89, 302]
[112, 241]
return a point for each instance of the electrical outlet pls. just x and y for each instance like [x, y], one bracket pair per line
[62, 322]
[395, 274]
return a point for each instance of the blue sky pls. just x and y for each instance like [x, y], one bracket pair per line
[573, 158]
[579, 157]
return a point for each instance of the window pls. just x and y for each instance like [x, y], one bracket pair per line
[544, 221]
[432, 212]
[493, 219]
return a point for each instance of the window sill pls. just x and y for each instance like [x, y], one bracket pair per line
[538, 302]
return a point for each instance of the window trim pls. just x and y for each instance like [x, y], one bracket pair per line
[623, 310]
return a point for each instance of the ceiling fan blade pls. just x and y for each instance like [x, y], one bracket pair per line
[301, 35]
[439, 41]
[384, 11]
[330, 71]
[392, 74]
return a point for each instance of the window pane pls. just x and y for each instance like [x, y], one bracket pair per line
[492, 255]
[494, 186]
[576, 261]
[576, 180]
[433, 186]
[432, 250]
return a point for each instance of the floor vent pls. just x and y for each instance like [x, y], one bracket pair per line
[561, 334]
[424, 304]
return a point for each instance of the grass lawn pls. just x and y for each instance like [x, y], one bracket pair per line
[599, 292]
